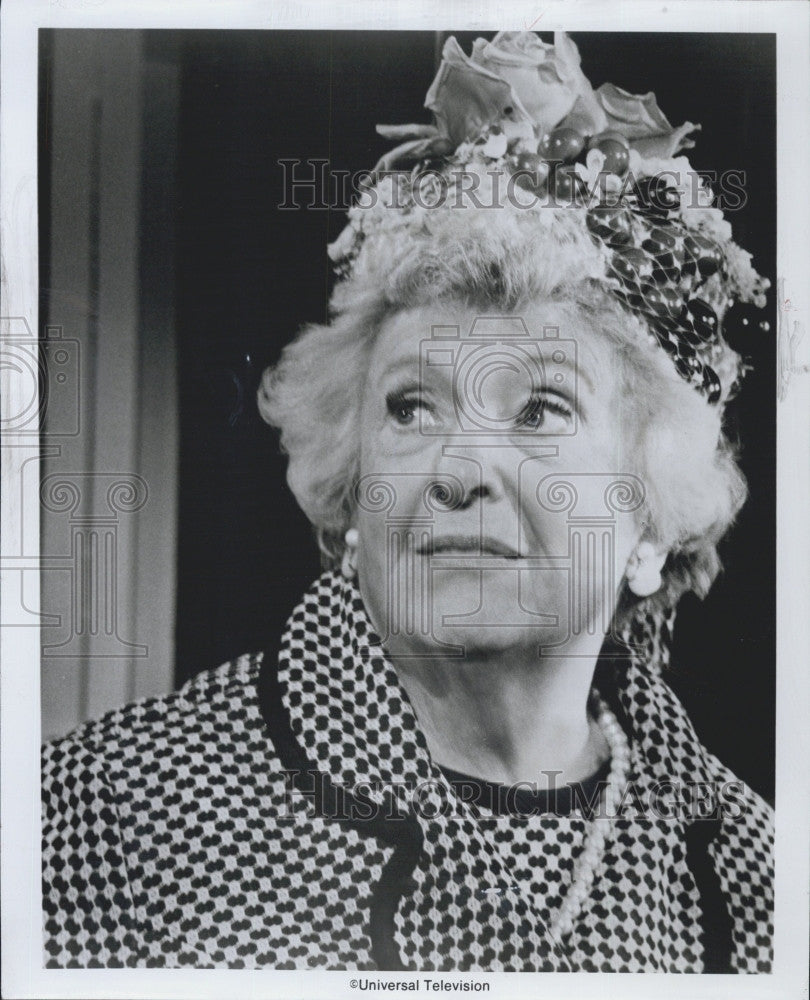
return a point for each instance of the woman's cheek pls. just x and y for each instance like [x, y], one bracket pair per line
[404, 449]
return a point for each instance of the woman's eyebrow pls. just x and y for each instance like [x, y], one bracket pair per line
[417, 365]
[407, 362]
[418, 372]
[576, 368]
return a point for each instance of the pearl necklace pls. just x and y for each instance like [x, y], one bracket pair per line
[586, 864]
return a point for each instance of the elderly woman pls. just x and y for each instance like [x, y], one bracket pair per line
[462, 754]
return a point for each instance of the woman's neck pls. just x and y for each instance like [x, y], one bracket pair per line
[510, 717]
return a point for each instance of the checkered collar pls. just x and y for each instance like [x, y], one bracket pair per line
[344, 699]
[352, 717]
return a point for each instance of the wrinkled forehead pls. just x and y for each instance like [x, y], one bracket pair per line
[546, 342]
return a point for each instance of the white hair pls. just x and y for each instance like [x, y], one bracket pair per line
[496, 261]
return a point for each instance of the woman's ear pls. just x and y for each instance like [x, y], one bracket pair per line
[643, 572]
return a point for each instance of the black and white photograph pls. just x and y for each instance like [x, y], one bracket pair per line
[405, 474]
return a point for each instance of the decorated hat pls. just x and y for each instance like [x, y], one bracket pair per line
[521, 120]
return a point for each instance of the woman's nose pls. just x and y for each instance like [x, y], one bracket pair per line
[474, 475]
[449, 496]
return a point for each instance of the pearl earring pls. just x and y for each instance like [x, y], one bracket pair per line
[348, 565]
[643, 573]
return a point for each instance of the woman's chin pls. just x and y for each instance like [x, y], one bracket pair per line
[475, 612]
[494, 617]
[479, 641]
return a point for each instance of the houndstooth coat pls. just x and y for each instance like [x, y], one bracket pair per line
[222, 826]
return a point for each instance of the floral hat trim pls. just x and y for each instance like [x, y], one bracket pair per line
[522, 108]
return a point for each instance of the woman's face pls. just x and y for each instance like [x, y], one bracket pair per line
[490, 508]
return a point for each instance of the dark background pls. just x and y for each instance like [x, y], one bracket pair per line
[248, 276]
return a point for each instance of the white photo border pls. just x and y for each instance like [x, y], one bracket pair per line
[23, 974]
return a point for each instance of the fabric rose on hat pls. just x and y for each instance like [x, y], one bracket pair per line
[546, 80]
[639, 119]
[519, 80]
[515, 78]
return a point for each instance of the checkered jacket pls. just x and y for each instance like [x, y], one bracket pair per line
[222, 826]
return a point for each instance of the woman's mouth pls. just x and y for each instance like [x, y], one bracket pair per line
[470, 545]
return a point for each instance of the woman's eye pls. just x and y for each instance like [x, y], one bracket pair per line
[402, 407]
[545, 412]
